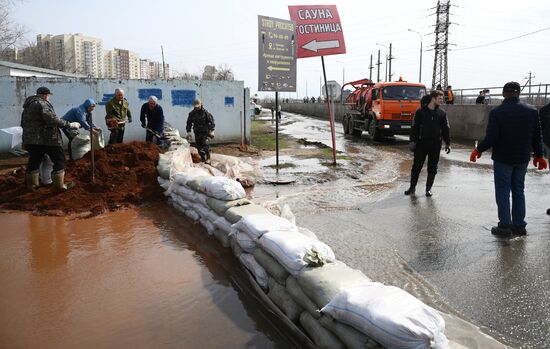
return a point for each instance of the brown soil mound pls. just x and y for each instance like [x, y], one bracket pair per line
[125, 174]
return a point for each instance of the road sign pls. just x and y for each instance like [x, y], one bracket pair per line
[318, 29]
[276, 54]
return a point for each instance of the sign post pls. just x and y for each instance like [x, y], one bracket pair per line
[276, 62]
[319, 33]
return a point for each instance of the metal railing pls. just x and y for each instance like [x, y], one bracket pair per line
[533, 94]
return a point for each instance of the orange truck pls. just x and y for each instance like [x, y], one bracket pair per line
[383, 109]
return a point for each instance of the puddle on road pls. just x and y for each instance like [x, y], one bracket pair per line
[139, 278]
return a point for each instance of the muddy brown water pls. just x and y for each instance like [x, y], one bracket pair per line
[138, 278]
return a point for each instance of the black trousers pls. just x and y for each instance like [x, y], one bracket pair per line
[149, 137]
[116, 136]
[423, 150]
[36, 154]
[201, 142]
[71, 134]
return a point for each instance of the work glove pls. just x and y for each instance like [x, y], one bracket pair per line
[189, 136]
[211, 134]
[447, 149]
[540, 162]
[412, 146]
[474, 155]
[143, 125]
[74, 124]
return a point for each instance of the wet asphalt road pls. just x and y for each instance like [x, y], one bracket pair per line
[439, 249]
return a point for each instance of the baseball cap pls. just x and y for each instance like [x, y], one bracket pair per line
[197, 103]
[43, 91]
[511, 86]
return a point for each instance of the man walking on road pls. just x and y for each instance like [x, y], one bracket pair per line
[430, 127]
[117, 111]
[513, 131]
[202, 123]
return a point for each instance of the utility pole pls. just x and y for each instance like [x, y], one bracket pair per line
[441, 45]
[389, 63]
[370, 68]
[163, 64]
[378, 64]
[420, 67]
[529, 79]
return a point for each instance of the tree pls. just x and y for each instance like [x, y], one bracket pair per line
[223, 72]
[10, 32]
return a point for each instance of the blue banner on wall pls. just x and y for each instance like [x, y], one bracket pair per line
[145, 93]
[183, 97]
[106, 98]
[229, 101]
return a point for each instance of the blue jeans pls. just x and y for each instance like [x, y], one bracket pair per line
[510, 178]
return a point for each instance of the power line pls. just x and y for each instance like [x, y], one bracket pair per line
[501, 41]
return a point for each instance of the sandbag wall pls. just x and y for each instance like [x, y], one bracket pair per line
[325, 298]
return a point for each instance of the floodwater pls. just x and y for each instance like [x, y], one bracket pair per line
[138, 278]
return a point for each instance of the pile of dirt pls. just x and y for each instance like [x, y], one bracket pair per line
[125, 175]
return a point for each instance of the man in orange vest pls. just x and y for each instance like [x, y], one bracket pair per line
[449, 97]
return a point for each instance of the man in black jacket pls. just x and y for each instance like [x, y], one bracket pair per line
[430, 127]
[513, 131]
[203, 125]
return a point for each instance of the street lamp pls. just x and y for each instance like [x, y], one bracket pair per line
[343, 80]
[386, 47]
[420, 69]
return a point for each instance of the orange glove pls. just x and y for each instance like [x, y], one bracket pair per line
[540, 162]
[474, 155]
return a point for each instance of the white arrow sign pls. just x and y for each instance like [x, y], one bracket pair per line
[315, 45]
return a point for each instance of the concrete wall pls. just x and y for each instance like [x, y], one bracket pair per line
[224, 99]
[468, 122]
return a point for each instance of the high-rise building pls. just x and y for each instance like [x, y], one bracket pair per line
[121, 64]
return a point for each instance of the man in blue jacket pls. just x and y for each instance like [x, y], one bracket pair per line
[513, 131]
[151, 112]
[82, 115]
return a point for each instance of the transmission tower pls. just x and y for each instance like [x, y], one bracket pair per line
[442, 23]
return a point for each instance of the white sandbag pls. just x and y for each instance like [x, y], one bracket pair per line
[222, 237]
[235, 214]
[46, 168]
[257, 225]
[259, 273]
[192, 214]
[390, 316]
[164, 183]
[307, 232]
[321, 285]
[223, 224]
[244, 240]
[163, 166]
[277, 293]
[81, 143]
[221, 206]
[352, 338]
[202, 199]
[295, 251]
[273, 268]
[301, 298]
[181, 178]
[186, 193]
[322, 337]
[181, 159]
[204, 212]
[207, 225]
[196, 183]
[235, 247]
[223, 188]
[182, 202]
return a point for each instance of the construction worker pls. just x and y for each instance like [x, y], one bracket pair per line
[80, 114]
[513, 131]
[152, 119]
[118, 111]
[430, 127]
[41, 136]
[202, 123]
[449, 96]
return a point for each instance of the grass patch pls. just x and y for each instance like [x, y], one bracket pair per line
[330, 164]
[283, 165]
[327, 153]
[263, 136]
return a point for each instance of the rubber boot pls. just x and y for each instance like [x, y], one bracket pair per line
[58, 178]
[412, 188]
[429, 184]
[31, 180]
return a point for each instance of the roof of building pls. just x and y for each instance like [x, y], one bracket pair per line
[31, 68]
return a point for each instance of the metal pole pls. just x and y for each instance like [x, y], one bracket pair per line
[277, 132]
[378, 64]
[420, 73]
[370, 68]
[389, 62]
[92, 147]
[329, 113]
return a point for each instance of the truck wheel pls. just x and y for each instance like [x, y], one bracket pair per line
[374, 132]
[345, 123]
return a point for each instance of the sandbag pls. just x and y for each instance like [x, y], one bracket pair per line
[196, 183]
[300, 297]
[164, 183]
[81, 143]
[235, 214]
[221, 206]
[163, 166]
[256, 225]
[235, 247]
[223, 224]
[207, 225]
[352, 338]
[186, 193]
[192, 214]
[182, 202]
[321, 336]
[389, 315]
[273, 268]
[295, 251]
[222, 237]
[257, 271]
[247, 243]
[277, 293]
[205, 212]
[223, 188]
[323, 284]
[180, 178]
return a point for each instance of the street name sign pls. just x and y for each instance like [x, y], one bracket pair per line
[276, 54]
[318, 29]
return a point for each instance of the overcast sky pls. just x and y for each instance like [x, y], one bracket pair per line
[207, 32]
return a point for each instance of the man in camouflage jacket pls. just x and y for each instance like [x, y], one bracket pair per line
[117, 111]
